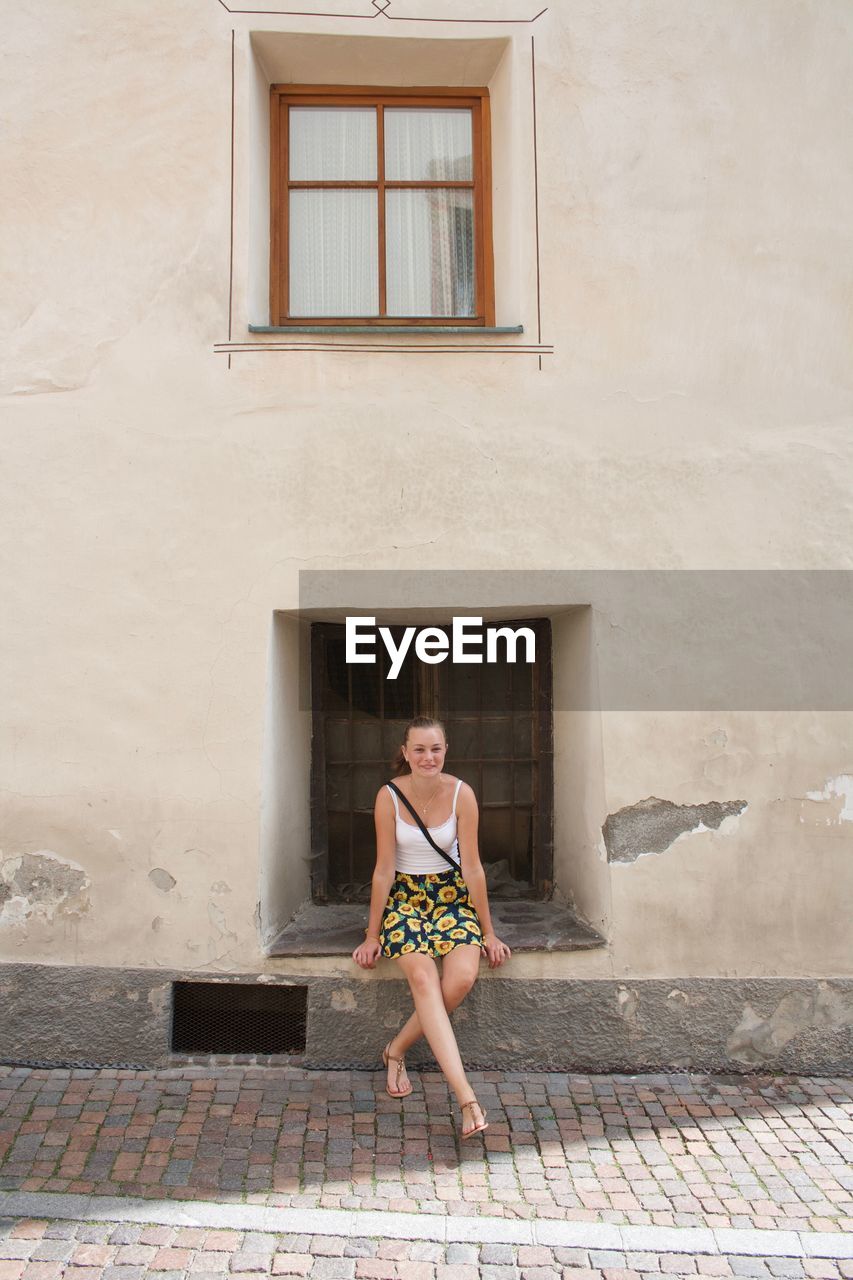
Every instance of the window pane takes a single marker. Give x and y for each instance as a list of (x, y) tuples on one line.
[(497, 685), (435, 145), (464, 739), (330, 143), (337, 787), (497, 738), (430, 253), (393, 738), (367, 740), (497, 783), (366, 781), (334, 253)]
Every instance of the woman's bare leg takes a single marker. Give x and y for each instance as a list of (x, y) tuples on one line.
[(422, 975), (459, 969)]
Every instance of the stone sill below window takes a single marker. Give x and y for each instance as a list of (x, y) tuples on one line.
[(422, 330), (337, 928)]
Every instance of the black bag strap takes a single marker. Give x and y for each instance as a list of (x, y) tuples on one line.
[(417, 819)]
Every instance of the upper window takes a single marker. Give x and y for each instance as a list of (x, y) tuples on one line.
[(381, 206)]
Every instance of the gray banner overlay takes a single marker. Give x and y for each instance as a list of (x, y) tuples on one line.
[(633, 640)]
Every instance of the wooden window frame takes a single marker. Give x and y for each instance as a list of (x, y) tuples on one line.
[(543, 728), (282, 96)]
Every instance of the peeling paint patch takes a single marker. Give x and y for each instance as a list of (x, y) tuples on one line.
[(756, 1040), (841, 786), (628, 1003), (217, 918), (343, 1000), (41, 886), (161, 879), (653, 825)]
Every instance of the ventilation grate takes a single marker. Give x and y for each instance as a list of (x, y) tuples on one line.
[(238, 1018)]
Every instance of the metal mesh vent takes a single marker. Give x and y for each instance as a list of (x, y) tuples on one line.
[(238, 1017)]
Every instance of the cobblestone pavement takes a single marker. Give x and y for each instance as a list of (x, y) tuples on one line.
[(659, 1151), (42, 1250), (673, 1150)]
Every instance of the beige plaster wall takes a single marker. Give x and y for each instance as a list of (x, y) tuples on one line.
[(157, 504)]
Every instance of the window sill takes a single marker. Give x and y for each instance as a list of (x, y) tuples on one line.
[(337, 928), (428, 330)]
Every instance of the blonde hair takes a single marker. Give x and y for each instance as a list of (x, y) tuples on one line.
[(400, 764)]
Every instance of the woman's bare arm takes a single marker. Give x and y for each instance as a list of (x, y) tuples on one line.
[(386, 854), (367, 952)]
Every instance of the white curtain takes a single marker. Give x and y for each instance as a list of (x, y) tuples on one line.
[(429, 237), (334, 253), (333, 234), (329, 143), (424, 144), (429, 233)]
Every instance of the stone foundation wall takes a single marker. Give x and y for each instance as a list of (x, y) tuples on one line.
[(787, 1025)]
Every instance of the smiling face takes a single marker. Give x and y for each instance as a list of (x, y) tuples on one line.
[(425, 749)]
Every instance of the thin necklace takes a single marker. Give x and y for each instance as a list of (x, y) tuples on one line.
[(432, 797)]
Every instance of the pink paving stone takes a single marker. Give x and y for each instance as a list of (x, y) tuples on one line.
[(677, 1263), (457, 1271), (820, 1268), (533, 1255), (294, 1264), (379, 1269), (44, 1271), (620, 1273), (11, 1268), (170, 1260), (157, 1235), (28, 1229), (134, 1255), (711, 1266), (93, 1255)]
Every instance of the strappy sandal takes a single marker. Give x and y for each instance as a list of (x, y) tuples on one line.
[(472, 1102), (401, 1062)]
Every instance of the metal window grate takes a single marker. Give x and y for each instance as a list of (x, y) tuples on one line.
[(498, 718), (238, 1017)]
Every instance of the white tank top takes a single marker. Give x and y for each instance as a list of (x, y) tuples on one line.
[(415, 855)]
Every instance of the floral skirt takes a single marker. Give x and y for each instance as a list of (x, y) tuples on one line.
[(429, 913)]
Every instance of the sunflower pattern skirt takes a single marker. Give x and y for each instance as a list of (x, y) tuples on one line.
[(430, 913)]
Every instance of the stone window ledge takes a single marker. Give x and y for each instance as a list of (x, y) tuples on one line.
[(336, 928), (377, 331)]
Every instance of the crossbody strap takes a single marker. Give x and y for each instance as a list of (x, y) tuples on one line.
[(417, 819)]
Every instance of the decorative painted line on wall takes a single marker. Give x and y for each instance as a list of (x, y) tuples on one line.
[(380, 9)]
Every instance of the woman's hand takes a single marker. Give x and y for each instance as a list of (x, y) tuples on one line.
[(496, 951), (368, 953)]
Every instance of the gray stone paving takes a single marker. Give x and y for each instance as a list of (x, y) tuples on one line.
[(40, 1249)]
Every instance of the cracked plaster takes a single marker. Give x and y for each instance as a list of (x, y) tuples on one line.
[(652, 825), (41, 886)]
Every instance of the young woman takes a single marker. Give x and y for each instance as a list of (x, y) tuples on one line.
[(422, 908)]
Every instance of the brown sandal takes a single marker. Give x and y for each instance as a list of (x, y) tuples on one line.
[(472, 1102), (401, 1062)]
